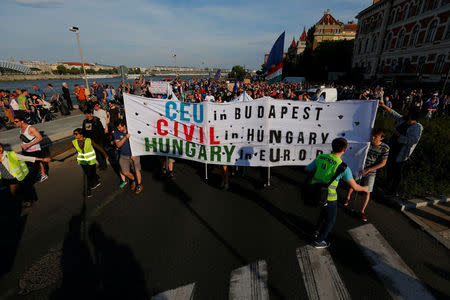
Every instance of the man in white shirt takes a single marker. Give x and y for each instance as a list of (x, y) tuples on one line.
[(102, 115), (209, 97)]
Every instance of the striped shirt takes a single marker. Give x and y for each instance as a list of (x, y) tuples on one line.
[(376, 154)]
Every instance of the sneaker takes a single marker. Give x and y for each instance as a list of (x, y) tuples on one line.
[(316, 233), (89, 194), (139, 189), (123, 184), (363, 217), (133, 185), (43, 178), (346, 202), (96, 185), (321, 245)]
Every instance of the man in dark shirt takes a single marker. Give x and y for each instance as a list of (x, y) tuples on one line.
[(114, 115), (93, 129), (99, 92)]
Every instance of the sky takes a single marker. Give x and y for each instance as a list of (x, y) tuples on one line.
[(146, 33)]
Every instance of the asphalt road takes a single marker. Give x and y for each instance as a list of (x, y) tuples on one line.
[(184, 231)]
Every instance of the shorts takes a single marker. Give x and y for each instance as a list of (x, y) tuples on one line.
[(8, 182), (127, 164), (33, 154), (169, 159), (368, 181)]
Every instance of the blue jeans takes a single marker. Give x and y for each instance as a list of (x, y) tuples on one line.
[(327, 218)]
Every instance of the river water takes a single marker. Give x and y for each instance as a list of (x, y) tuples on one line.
[(57, 84)]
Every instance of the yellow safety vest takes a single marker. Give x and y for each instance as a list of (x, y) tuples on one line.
[(17, 168), (86, 157), (326, 166)]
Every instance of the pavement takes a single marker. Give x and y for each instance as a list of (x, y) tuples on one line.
[(188, 239), (54, 130)]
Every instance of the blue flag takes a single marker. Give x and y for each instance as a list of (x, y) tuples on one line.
[(235, 87), (217, 76), (274, 65)]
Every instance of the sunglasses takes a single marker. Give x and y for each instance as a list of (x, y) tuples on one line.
[(76, 133), (16, 121)]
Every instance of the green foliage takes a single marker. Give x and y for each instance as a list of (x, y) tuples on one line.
[(60, 69), (134, 71), (237, 72), (329, 56), (427, 169)]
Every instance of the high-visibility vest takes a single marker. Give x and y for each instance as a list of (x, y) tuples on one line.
[(17, 168), (326, 166), (86, 156)]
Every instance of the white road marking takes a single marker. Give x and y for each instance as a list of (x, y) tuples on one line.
[(181, 293), (321, 278), (398, 278), (249, 282)]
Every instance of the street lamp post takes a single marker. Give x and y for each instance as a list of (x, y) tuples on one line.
[(76, 29)]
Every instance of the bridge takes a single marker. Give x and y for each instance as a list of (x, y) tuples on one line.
[(12, 67)]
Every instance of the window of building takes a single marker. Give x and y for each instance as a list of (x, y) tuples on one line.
[(394, 16), (406, 65), (406, 12), (425, 4), (431, 31), (399, 15), (401, 37), (436, 4), (374, 43), (420, 64), (388, 41), (447, 32), (414, 35), (439, 64), (394, 65)]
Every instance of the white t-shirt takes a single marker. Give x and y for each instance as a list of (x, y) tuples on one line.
[(209, 98), (14, 104), (101, 114)]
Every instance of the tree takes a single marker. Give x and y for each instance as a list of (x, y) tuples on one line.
[(237, 72), (60, 69)]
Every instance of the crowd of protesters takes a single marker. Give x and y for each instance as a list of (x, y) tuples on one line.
[(103, 135)]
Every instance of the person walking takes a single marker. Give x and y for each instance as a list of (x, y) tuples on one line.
[(66, 95), (326, 167), (403, 141), (86, 157), (93, 129), (128, 163), (376, 159), (13, 171), (31, 139)]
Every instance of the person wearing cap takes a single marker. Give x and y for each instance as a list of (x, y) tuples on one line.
[(432, 105)]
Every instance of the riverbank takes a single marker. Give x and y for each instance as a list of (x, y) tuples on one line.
[(21, 77)]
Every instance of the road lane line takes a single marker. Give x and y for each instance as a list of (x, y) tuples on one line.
[(249, 282), (97, 211), (321, 278), (181, 293), (397, 277)]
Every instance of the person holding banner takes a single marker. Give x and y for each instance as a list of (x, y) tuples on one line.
[(127, 162), (327, 171)]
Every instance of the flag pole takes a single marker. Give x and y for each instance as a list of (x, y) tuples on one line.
[(206, 134)]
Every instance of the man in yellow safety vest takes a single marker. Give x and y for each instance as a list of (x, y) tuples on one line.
[(324, 168), (86, 157), (13, 170)]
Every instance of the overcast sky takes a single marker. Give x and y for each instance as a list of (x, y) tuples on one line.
[(147, 33)]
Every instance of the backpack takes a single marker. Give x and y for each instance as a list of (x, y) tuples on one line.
[(317, 194)]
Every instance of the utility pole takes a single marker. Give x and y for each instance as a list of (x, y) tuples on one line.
[(76, 29)]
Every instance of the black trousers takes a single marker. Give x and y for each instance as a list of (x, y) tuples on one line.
[(395, 175), (91, 174)]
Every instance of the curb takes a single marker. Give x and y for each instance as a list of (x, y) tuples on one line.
[(428, 229), (415, 203)]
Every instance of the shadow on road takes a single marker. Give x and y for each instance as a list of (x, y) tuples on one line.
[(172, 188), (12, 225), (112, 272)]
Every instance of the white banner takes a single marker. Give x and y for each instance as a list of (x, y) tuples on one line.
[(158, 87), (264, 132)]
